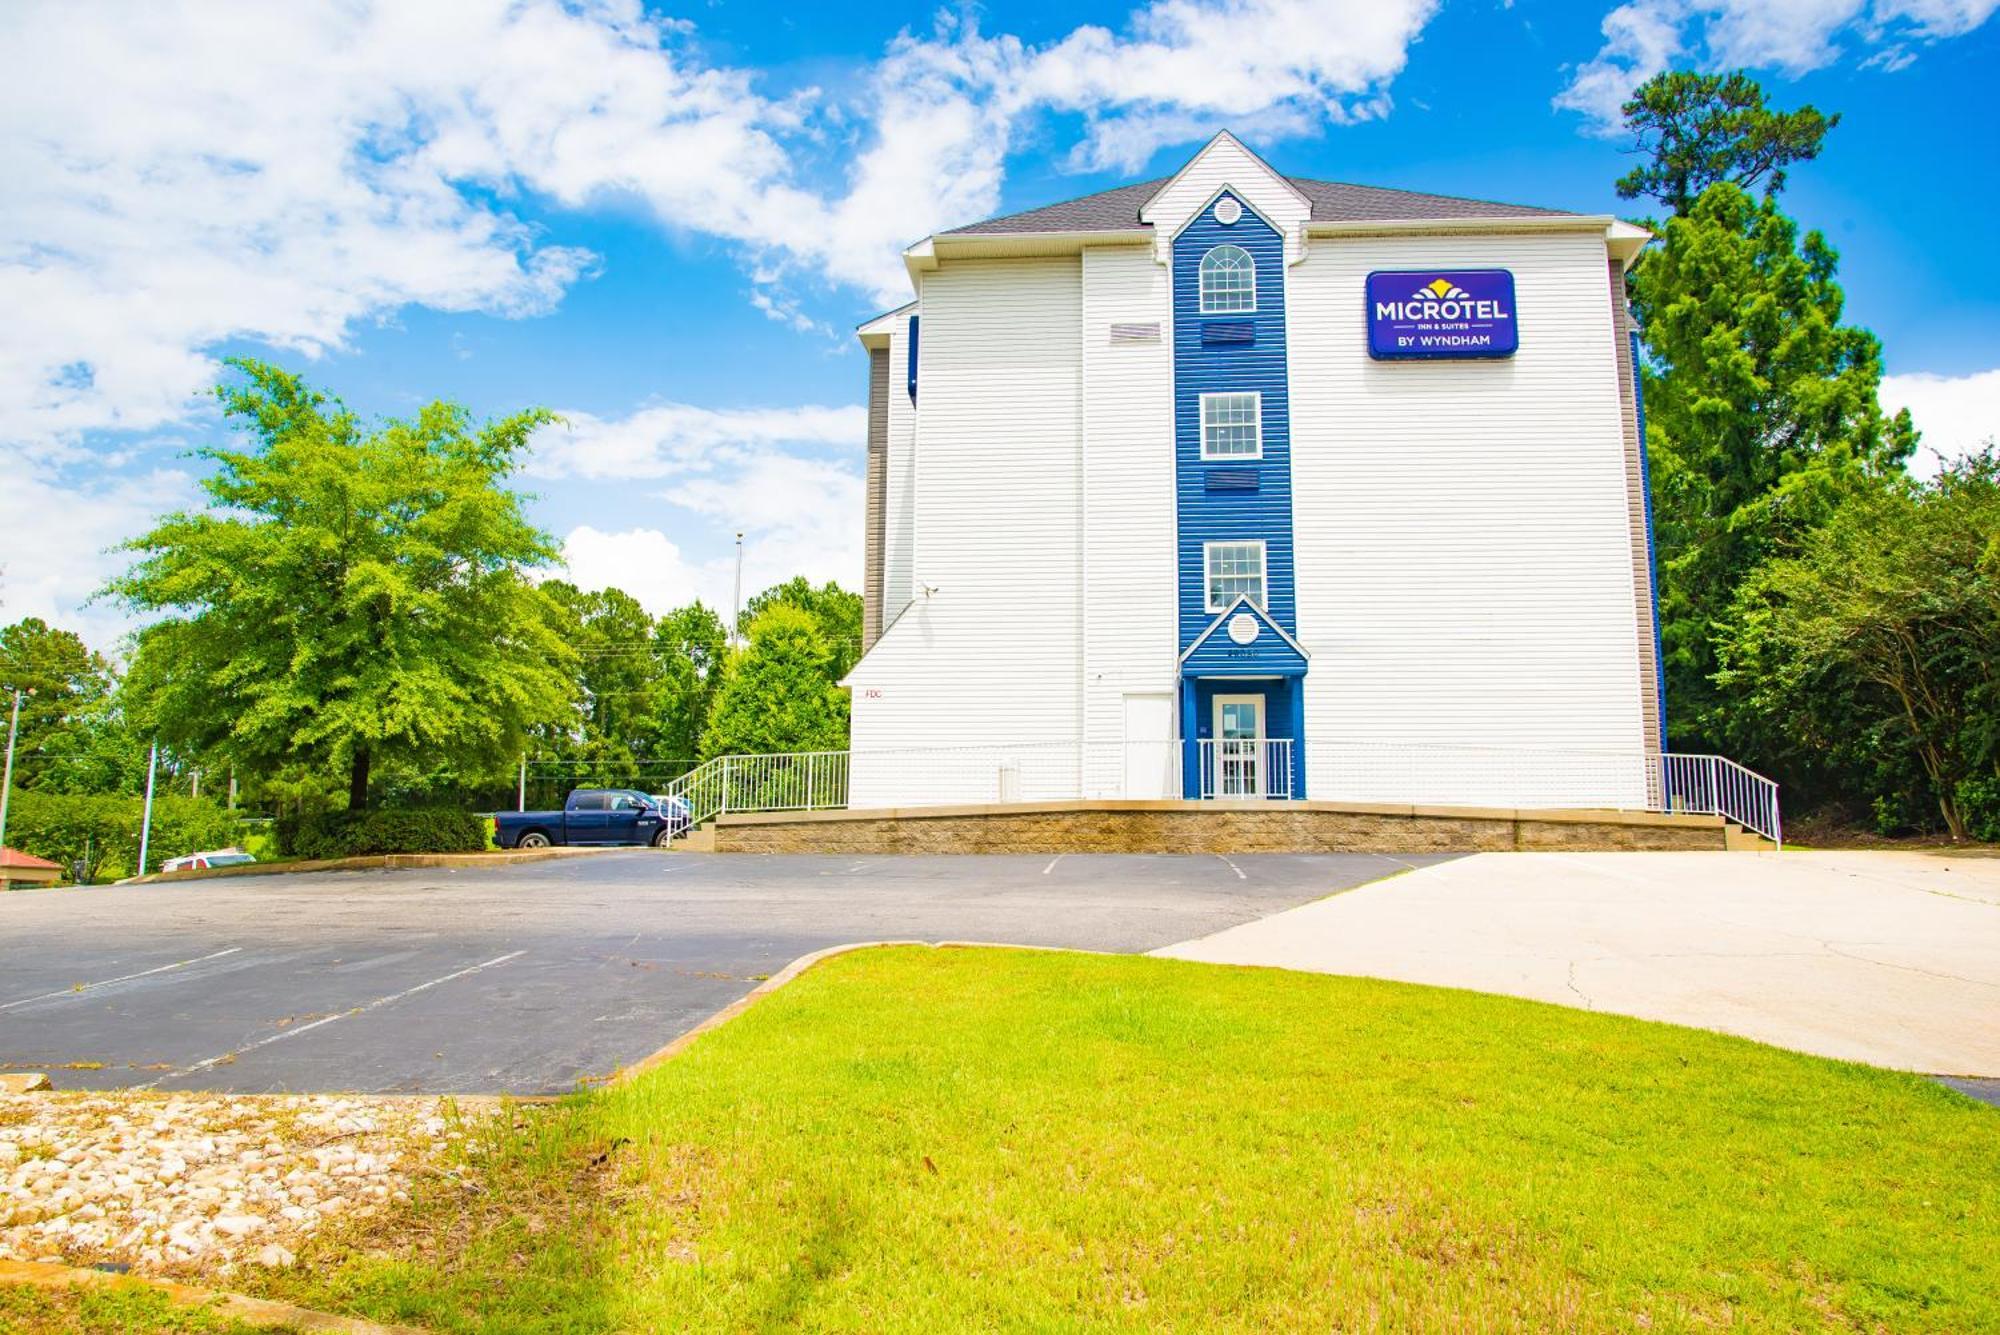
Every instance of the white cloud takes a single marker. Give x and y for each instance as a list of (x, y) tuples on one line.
[(180, 174), (645, 563), (187, 173), (792, 524), (1643, 37), (62, 540), (677, 438), (1956, 414), (788, 479), (948, 108)]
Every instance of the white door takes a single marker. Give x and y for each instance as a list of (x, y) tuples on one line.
[(1149, 746), (1239, 746)]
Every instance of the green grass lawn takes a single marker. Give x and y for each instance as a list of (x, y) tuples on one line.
[(943, 1140), (126, 1310)]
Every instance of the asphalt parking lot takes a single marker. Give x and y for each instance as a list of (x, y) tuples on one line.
[(529, 978)]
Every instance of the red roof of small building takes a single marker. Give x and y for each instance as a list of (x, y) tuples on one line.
[(14, 857)]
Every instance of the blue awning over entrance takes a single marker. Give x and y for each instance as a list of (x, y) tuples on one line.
[(1243, 641)]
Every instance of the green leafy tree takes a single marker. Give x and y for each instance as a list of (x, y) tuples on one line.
[(1762, 417), (837, 612), (352, 596), (1698, 130), (778, 693), (98, 835), (691, 643), (99, 752), (71, 686), (1876, 647), (610, 735)]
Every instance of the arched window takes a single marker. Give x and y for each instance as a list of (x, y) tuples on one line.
[(1228, 281)]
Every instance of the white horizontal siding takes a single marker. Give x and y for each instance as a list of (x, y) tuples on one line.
[(1226, 163), (1128, 480), (1463, 540), (993, 654)]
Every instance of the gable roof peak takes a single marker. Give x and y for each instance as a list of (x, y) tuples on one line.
[(1220, 141)]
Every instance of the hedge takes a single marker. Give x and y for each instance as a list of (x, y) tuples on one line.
[(351, 834), (65, 829)]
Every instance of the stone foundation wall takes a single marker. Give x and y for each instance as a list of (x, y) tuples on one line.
[(1201, 827)]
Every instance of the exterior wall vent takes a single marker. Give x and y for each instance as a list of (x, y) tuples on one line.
[(1230, 479), (1135, 335), (1228, 331)]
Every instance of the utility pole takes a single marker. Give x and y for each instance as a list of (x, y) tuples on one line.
[(232, 787), (194, 789), (736, 621), (146, 821), (7, 778), (521, 793)]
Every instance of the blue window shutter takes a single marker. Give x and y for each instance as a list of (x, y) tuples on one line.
[(913, 359)]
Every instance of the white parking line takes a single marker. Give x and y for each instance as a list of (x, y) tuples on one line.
[(1233, 867), (1052, 864), (81, 988), (217, 1060)]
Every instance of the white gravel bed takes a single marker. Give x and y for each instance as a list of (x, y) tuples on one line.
[(180, 1182)]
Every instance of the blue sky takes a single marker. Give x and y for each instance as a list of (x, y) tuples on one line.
[(665, 223)]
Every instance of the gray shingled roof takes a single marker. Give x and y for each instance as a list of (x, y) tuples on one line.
[(1332, 201)]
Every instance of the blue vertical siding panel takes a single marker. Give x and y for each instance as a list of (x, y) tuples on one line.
[(1202, 367), (1225, 353)]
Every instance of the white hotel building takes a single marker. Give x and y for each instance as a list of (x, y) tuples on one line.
[(1235, 484)]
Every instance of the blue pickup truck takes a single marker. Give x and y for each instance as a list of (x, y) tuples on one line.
[(595, 816)]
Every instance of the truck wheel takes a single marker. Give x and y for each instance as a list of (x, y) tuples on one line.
[(663, 838), (532, 839)]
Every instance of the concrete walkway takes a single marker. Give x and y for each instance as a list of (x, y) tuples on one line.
[(1891, 958)]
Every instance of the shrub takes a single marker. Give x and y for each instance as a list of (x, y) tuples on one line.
[(1979, 799), (352, 834), (103, 832)]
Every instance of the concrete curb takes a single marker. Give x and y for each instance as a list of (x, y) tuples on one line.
[(236, 1307), (625, 1075), (378, 862)]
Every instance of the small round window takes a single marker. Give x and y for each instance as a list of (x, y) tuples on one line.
[(1228, 211)]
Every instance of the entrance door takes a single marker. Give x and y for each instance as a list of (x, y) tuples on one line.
[(1239, 746), (1149, 745)]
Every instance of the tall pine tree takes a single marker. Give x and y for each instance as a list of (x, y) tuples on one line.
[(1761, 404)]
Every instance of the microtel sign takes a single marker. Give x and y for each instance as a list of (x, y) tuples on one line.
[(1453, 313)]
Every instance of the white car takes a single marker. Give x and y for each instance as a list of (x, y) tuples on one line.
[(214, 857)]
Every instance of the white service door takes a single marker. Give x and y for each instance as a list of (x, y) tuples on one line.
[(1239, 746), (1149, 746)]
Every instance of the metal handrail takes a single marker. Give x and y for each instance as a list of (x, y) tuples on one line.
[(1717, 785)]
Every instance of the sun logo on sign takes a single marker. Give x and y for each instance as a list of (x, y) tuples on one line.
[(1442, 291)]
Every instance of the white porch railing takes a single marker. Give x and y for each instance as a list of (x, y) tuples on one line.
[(1717, 785), (1245, 767), (1522, 777), (796, 781)]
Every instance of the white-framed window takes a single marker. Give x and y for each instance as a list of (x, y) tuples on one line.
[(1228, 281), (1232, 426), (1234, 570)]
